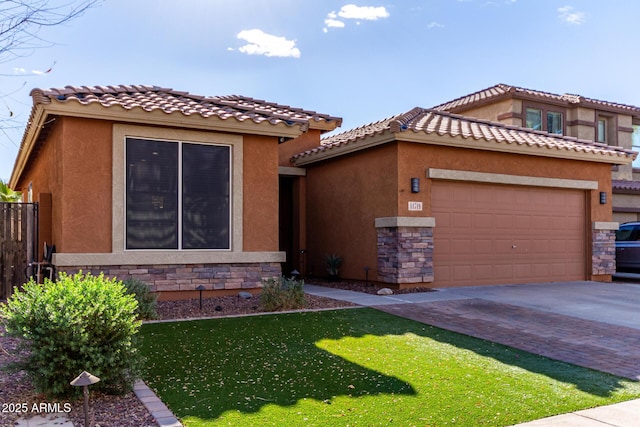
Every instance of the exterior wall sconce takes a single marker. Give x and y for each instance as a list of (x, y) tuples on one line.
[(415, 185), (603, 198)]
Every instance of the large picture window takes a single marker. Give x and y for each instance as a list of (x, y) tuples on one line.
[(177, 195)]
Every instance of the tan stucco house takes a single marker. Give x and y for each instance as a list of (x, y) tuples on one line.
[(178, 190), (506, 185)]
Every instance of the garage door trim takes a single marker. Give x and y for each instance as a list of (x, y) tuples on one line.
[(498, 178)]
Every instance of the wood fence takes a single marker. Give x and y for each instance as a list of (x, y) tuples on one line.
[(18, 241)]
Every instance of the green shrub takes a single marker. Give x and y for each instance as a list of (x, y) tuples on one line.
[(147, 301), (78, 323), (282, 294)]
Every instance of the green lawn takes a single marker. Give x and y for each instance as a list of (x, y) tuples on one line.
[(357, 367)]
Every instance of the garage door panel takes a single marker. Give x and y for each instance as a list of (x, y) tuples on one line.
[(462, 220), (489, 234)]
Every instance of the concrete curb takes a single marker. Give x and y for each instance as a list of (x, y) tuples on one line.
[(158, 410)]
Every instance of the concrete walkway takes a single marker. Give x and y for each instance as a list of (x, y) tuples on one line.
[(595, 325)]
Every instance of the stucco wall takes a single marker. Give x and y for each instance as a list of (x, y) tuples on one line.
[(85, 191), (306, 141), (414, 159), (344, 196), (44, 175), (260, 194)]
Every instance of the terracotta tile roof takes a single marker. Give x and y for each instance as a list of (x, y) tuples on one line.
[(169, 101), (625, 186), (503, 91), (433, 122)]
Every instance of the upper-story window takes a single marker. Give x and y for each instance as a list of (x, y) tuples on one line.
[(602, 130), (606, 129), (544, 120)]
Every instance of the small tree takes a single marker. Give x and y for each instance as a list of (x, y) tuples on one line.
[(21, 20), (78, 323), (7, 194)]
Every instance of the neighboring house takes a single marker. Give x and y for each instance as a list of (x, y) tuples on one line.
[(588, 119), (436, 199), (175, 189)]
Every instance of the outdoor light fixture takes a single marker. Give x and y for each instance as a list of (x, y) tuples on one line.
[(603, 198), (415, 185), (84, 380), (200, 288)]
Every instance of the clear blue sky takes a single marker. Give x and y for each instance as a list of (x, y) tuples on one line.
[(362, 60)]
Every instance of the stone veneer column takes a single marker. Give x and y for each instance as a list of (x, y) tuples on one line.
[(603, 248), (405, 249)]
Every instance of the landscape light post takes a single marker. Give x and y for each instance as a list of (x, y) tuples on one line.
[(84, 380)]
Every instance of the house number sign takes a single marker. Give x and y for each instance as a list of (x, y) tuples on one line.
[(415, 206)]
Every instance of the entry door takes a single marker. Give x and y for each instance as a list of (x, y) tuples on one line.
[(498, 234)]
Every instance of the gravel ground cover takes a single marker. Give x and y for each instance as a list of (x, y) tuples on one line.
[(18, 398)]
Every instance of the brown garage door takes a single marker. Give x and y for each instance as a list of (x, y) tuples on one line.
[(496, 234)]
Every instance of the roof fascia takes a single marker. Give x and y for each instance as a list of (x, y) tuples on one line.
[(459, 142), (514, 148), (340, 150), (324, 125), (177, 119), (584, 103), (35, 125)]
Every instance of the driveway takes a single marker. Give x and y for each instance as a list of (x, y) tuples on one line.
[(591, 324)]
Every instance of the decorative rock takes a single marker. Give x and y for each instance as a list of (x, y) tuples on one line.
[(385, 291), (245, 295)]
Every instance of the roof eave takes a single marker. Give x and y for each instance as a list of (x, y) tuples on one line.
[(331, 151), (175, 119), (34, 126), (461, 142), (138, 115)]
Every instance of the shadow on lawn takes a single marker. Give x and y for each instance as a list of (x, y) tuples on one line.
[(205, 368), (273, 361)]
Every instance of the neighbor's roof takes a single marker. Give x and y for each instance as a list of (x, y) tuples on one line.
[(500, 91), (429, 126), (623, 186), (169, 101)]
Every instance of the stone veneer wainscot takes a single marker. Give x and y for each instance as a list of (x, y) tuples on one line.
[(187, 277), (405, 249)]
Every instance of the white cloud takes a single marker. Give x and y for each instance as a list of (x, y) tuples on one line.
[(351, 11), (434, 24), (570, 16), (333, 23), (261, 43), (368, 13)]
